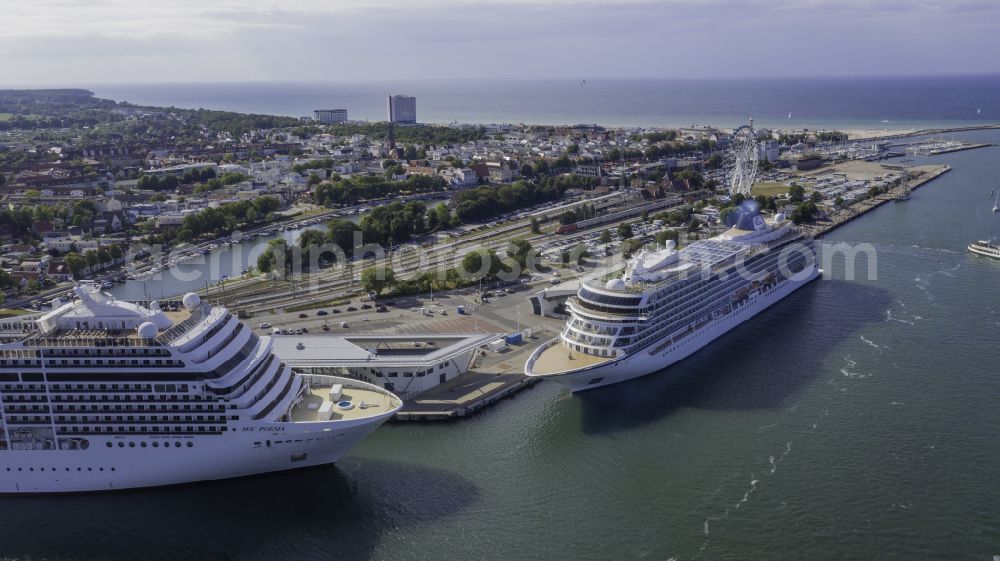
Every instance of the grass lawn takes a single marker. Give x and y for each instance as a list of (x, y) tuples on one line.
[(768, 188), (8, 313), (6, 116)]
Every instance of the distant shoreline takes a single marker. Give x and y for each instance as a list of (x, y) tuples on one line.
[(884, 106)]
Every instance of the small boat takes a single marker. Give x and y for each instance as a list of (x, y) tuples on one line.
[(985, 248), (903, 196), (996, 203)]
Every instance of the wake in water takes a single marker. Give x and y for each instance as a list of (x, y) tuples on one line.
[(873, 344), (773, 462), (909, 250), (847, 372), (890, 317)]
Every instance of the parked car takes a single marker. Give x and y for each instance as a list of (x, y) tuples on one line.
[(325, 327), (322, 313), (303, 316), (381, 309), (366, 306), (351, 309), (264, 325), (343, 324), (335, 310)]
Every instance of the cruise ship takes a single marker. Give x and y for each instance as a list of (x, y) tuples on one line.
[(985, 249), (100, 394), (664, 305)]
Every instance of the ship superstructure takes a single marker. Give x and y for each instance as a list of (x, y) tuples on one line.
[(101, 394), (666, 304), (985, 248)]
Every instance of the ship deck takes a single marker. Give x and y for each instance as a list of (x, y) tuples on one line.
[(365, 403), (557, 359)]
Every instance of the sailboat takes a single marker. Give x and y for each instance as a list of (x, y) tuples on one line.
[(996, 203)]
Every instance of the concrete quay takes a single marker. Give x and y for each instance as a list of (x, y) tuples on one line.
[(839, 218)]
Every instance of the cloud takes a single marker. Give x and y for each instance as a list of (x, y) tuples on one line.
[(61, 41)]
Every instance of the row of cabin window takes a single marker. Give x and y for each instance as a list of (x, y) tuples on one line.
[(154, 444), (64, 419), (107, 351), (54, 469), (70, 419), (156, 429), (119, 407)]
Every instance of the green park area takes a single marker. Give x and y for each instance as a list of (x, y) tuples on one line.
[(768, 188)]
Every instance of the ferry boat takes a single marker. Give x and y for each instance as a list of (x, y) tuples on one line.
[(100, 394), (985, 248), (665, 305)]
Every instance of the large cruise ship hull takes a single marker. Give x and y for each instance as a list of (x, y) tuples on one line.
[(655, 357), (249, 449)]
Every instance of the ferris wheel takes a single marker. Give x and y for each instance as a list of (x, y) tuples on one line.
[(742, 160)]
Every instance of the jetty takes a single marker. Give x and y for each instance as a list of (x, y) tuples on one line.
[(839, 218)]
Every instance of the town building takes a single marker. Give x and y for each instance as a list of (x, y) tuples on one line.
[(768, 150), (402, 109), (331, 115)]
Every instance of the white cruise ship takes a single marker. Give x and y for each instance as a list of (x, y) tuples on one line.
[(985, 249), (100, 394), (664, 305)]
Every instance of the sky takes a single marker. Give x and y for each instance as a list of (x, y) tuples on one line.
[(65, 42)]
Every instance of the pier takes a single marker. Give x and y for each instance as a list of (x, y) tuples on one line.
[(463, 396), (960, 148), (841, 217)]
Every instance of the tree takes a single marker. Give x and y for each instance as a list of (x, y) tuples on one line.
[(410, 153), (629, 247), (804, 213), (625, 231), (376, 279), (519, 250), (664, 236), (265, 262), (91, 257), (839, 201), (816, 197), (76, 264), (563, 163), (577, 254), (606, 236), (796, 193), (472, 265), (443, 216), (714, 161), (341, 233), (535, 226)]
